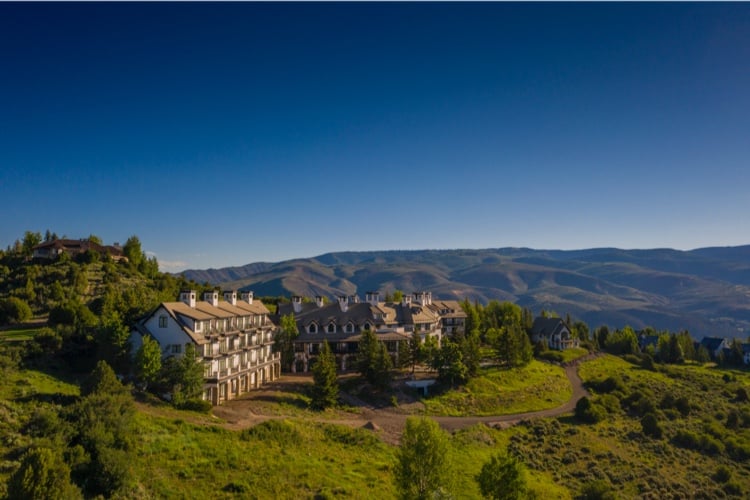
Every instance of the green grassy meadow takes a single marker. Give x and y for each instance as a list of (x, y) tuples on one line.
[(501, 391), (182, 454)]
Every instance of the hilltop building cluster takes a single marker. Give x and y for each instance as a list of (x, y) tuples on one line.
[(342, 323), (233, 334)]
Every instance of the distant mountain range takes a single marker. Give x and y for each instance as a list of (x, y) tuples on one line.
[(706, 291)]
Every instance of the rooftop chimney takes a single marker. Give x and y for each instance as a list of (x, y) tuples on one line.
[(354, 299), (406, 300), (231, 297), (343, 304), (372, 297), (319, 300), (297, 303), (212, 298), (247, 296), (188, 297)]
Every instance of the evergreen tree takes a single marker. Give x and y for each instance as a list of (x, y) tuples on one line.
[(183, 376), (471, 353), (381, 373), (404, 354), (415, 350), (367, 354), (450, 364), (43, 475), (325, 390)]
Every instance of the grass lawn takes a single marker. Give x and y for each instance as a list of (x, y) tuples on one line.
[(538, 386), (18, 334), (25, 383)]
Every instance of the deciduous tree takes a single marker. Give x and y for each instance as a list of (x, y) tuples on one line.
[(422, 469), (503, 478), (284, 340), (148, 361)]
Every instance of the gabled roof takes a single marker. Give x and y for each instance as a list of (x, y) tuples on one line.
[(547, 326), (257, 307), (217, 312), (712, 343), (187, 311), (172, 311)]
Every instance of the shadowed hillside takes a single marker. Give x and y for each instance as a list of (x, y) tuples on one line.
[(706, 291)]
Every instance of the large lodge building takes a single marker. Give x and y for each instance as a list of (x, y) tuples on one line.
[(233, 340), (342, 323), (234, 337)]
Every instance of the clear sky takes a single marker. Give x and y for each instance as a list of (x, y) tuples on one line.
[(227, 134)]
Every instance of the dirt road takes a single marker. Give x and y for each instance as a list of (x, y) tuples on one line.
[(389, 422)]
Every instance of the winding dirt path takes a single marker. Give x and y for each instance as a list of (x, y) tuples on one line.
[(239, 414)]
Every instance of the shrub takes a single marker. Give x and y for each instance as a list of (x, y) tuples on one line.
[(597, 490), (683, 406), (722, 474), (737, 449), (14, 310), (198, 405), (610, 384), (280, 431), (741, 395), (650, 426), (589, 412), (553, 356), (698, 442)]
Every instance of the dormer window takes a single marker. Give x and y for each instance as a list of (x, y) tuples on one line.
[(349, 327), (367, 326), (313, 328), (331, 328)]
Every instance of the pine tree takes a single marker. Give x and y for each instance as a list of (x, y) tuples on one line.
[(325, 390)]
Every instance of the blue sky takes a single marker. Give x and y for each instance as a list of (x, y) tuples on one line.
[(234, 133)]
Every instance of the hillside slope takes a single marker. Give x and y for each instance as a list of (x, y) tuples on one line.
[(706, 291)]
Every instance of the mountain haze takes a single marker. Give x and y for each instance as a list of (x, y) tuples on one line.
[(706, 291)]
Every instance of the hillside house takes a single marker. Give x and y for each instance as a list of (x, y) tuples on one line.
[(233, 339), (715, 345), (342, 323), (555, 332), (51, 250)]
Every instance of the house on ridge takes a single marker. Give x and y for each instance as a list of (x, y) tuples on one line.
[(52, 249), (715, 345), (555, 332)]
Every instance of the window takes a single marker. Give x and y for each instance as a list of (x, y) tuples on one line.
[(331, 328), (350, 328), (176, 349), (313, 328), (162, 321), (367, 326)]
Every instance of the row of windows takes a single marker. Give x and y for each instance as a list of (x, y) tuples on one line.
[(332, 328)]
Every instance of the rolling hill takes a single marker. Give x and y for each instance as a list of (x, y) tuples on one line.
[(706, 291)]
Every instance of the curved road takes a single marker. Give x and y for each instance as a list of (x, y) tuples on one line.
[(391, 423)]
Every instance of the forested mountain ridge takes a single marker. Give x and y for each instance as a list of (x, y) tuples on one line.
[(706, 291)]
